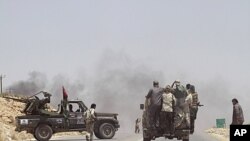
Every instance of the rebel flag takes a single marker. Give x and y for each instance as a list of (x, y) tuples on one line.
[(65, 95)]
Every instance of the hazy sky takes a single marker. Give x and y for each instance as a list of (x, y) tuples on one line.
[(202, 42)]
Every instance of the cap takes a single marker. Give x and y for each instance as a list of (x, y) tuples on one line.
[(155, 82)]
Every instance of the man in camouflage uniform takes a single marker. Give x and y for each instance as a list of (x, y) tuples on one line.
[(90, 119), (194, 107), (238, 117), (155, 98), (187, 107), (183, 100)]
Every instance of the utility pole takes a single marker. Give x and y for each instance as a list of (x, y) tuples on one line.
[(1, 80)]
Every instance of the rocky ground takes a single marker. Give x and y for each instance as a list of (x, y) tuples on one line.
[(221, 134), (9, 109)]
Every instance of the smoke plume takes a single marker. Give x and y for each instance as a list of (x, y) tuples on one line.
[(119, 85), (33, 84)]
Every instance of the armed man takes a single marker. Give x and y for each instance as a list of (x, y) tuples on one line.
[(155, 97), (183, 99), (188, 103), (194, 107), (90, 119)]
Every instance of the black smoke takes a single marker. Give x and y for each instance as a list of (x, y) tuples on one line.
[(36, 81)]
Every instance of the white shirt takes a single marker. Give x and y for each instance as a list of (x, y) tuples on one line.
[(90, 113), (167, 102)]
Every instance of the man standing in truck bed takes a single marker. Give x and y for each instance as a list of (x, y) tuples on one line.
[(167, 111), (155, 97)]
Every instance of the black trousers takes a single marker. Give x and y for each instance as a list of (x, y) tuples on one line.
[(154, 114), (167, 122)]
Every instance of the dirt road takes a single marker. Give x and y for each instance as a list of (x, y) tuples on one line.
[(133, 137)]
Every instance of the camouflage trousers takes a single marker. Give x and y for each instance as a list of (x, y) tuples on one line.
[(187, 117), (90, 130), (193, 114)]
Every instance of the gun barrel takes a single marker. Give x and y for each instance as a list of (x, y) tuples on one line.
[(17, 99)]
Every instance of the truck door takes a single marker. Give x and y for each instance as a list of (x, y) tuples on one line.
[(76, 119)]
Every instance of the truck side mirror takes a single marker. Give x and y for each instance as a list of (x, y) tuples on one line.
[(141, 106)]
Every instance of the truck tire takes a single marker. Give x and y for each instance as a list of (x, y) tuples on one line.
[(43, 132), (185, 140), (97, 134), (106, 131)]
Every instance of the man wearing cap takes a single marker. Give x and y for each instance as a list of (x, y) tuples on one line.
[(155, 97)]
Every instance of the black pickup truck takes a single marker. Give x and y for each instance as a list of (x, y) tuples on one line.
[(43, 123)]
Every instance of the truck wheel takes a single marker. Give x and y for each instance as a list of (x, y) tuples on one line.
[(185, 140), (43, 132), (106, 131), (97, 134)]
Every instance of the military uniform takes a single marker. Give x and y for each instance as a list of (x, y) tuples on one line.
[(193, 107), (90, 121), (188, 103), (193, 110)]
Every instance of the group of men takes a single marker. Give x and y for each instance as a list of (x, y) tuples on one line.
[(162, 102)]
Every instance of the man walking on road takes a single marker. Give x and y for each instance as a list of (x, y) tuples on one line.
[(90, 119), (137, 125), (238, 117)]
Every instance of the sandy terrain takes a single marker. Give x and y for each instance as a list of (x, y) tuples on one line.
[(221, 134)]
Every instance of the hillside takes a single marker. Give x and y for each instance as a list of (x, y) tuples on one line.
[(9, 109)]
